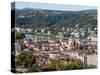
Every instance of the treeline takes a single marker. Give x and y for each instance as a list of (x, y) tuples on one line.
[(28, 60), (37, 18)]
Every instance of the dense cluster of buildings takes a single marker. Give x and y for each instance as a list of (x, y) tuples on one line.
[(51, 49), (63, 49)]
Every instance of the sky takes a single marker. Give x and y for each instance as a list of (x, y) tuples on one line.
[(22, 5)]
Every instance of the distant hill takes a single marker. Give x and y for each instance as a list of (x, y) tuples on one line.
[(40, 18)]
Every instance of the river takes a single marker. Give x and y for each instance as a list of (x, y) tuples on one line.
[(42, 37)]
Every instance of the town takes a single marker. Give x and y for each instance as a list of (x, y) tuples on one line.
[(53, 40), (47, 47)]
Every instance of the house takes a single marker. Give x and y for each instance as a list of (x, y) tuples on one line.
[(49, 32), (75, 33), (93, 39), (45, 47), (73, 44), (17, 47), (40, 30), (17, 29), (53, 55), (29, 30)]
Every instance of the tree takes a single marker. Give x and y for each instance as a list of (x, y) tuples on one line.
[(35, 68), (25, 59), (64, 65), (19, 35)]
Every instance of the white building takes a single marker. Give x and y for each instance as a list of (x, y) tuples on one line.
[(29, 30), (93, 40), (17, 29), (17, 47)]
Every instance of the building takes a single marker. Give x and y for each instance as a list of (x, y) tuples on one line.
[(73, 44), (17, 47), (17, 29)]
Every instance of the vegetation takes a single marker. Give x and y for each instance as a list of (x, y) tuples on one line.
[(35, 68), (19, 35), (25, 59), (63, 65), (35, 18), (92, 66)]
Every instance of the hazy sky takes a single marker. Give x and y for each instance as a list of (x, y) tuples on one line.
[(21, 5)]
